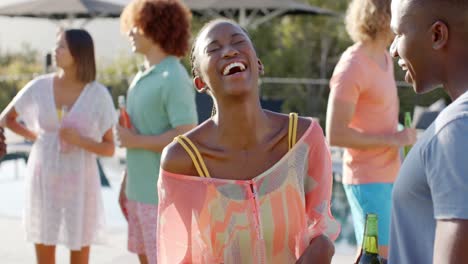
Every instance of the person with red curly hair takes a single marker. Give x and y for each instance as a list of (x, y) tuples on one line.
[(161, 105)]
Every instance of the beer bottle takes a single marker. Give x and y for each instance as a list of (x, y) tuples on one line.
[(408, 121), (124, 118), (370, 245)]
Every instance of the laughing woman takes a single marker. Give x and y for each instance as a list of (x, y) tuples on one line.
[(248, 185)]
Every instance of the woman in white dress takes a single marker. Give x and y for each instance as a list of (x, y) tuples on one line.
[(63, 197)]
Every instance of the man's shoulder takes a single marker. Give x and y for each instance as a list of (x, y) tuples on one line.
[(456, 114), (448, 131)]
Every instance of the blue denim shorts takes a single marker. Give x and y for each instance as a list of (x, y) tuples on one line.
[(370, 198)]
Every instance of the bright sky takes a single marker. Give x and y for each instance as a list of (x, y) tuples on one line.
[(40, 34)]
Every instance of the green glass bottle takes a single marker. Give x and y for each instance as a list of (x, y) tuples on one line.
[(370, 245), (408, 122)]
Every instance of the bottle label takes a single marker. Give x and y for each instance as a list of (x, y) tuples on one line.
[(370, 241), (371, 244)]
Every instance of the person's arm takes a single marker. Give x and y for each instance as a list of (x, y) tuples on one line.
[(179, 104), (347, 85), (104, 148), (175, 160), (446, 168), (123, 196), (104, 121), (320, 248), (156, 143), (24, 105), (318, 180), (339, 115), (451, 241), (9, 117)]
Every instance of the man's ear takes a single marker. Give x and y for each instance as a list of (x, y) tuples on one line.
[(200, 85), (440, 35), (261, 68)]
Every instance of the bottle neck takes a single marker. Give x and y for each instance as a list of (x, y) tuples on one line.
[(407, 119), (121, 101), (370, 242)]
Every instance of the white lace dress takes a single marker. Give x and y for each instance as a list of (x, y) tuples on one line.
[(63, 196)]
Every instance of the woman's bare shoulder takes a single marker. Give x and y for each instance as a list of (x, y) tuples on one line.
[(175, 158), (303, 123)]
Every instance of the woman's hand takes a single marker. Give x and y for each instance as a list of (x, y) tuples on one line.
[(319, 251), (70, 135)]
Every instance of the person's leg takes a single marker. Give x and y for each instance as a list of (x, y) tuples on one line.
[(80, 256), (142, 258), (135, 233), (148, 215), (353, 195), (45, 254)]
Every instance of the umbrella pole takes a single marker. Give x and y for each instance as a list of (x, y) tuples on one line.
[(243, 17)]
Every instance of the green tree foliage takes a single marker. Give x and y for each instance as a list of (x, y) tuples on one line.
[(290, 46), (309, 47), (16, 69), (118, 74)]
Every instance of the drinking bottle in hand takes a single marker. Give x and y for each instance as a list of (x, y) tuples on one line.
[(124, 118)]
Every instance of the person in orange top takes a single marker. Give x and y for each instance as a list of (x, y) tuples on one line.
[(247, 185), (362, 116)]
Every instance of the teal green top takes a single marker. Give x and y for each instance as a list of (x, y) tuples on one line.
[(159, 99)]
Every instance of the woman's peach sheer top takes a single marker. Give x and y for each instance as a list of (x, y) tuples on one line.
[(269, 219)]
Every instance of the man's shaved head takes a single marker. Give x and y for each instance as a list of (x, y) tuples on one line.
[(449, 11), (457, 4), (431, 40)]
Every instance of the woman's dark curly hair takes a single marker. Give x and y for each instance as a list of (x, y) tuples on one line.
[(166, 22)]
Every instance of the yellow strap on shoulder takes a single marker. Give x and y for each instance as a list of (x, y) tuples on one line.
[(292, 134), (194, 155)]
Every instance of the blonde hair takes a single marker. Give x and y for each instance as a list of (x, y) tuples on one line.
[(367, 20)]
